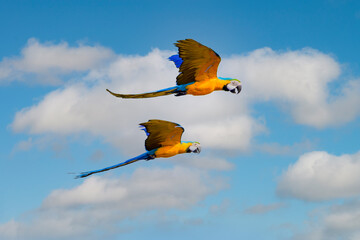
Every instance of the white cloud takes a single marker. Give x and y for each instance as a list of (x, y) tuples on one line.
[(203, 161), (48, 60), (231, 133), (337, 222), (299, 81), (24, 145), (102, 204), (223, 122), (296, 79), (278, 149), (319, 176), (145, 189)]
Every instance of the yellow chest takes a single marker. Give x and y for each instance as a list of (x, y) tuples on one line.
[(169, 151), (206, 87)]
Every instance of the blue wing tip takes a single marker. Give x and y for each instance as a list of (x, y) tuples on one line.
[(176, 59), (144, 129)]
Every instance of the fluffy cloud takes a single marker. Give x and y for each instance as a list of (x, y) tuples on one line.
[(48, 60), (337, 222), (100, 204), (299, 81), (203, 162), (219, 121), (318, 176), (295, 149), (298, 78)]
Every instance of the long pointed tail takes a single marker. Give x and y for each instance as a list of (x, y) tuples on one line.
[(144, 156), (162, 92)]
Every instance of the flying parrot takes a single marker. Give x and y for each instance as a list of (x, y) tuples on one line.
[(198, 66), (163, 141)]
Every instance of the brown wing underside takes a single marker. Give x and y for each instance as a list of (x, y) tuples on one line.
[(199, 62), (162, 133)]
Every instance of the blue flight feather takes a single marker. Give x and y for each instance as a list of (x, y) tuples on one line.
[(144, 156), (144, 128), (177, 60)]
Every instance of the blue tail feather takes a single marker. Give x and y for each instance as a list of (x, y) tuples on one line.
[(167, 89), (144, 156), (177, 60)]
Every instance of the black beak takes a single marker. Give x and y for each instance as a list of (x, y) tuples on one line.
[(236, 90), (198, 150)]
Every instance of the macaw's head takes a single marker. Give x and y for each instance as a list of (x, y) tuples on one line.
[(194, 148), (234, 86)]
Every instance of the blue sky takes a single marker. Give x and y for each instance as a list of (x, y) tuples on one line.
[(278, 161)]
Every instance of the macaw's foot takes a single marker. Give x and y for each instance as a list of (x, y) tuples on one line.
[(181, 93), (150, 157)]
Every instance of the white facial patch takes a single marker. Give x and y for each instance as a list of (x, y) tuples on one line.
[(195, 147), (233, 84)]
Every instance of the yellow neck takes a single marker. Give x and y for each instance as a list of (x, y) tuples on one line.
[(169, 151), (221, 83), (184, 146)]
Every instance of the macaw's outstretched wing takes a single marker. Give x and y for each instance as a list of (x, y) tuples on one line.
[(161, 133), (199, 63)]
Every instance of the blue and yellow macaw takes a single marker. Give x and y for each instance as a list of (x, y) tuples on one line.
[(163, 141), (198, 66)]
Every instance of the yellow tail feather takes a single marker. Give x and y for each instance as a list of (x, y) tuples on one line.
[(143, 95)]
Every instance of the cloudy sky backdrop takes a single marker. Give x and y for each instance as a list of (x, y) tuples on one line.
[(281, 160)]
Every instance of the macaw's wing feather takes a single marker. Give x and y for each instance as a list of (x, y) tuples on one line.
[(162, 92), (199, 62), (161, 133), (176, 59), (144, 156)]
